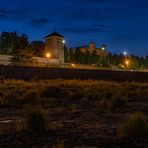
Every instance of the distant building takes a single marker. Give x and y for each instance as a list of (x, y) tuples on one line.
[(91, 48), (54, 45)]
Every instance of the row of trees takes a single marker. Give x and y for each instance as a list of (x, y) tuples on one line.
[(86, 58), (76, 56), (23, 50), (11, 43), (134, 61)]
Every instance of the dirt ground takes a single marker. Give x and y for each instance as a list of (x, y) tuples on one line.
[(73, 126)]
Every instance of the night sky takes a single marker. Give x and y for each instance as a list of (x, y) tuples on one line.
[(121, 24)]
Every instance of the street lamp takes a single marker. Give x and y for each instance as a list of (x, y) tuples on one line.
[(67, 48), (125, 53), (63, 41), (103, 48), (48, 55), (127, 63)]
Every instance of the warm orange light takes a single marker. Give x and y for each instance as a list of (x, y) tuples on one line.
[(48, 55), (73, 65), (127, 62)]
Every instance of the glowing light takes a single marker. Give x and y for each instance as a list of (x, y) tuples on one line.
[(125, 53), (103, 48), (48, 55), (73, 65), (127, 62), (63, 41)]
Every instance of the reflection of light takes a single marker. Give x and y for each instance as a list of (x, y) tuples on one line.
[(73, 65), (48, 55)]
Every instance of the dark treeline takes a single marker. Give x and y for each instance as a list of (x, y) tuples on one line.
[(86, 58), (12, 43), (78, 57)]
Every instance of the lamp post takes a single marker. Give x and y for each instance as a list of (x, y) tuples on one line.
[(125, 59), (67, 48), (48, 55), (127, 63), (125, 53)]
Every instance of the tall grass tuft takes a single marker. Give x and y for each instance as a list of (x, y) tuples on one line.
[(36, 119), (134, 127), (117, 102)]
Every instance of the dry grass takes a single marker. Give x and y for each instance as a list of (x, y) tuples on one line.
[(134, 127)]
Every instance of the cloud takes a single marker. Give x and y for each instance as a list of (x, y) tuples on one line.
[(42, 21), (99, 25), (89, 1), (85, 30), (4, 14)]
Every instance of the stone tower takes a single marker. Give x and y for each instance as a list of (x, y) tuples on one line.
[(54, 44), (92, 46)]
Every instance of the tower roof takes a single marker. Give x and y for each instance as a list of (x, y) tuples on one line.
[(54, 34)]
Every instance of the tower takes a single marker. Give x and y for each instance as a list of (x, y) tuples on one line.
[(92, 46), (55, 46)]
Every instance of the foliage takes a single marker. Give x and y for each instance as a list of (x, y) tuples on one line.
[(24, 57), (37, 47), (11, 42), (134, 127), (59, 144), (117, 102), (35, 119)]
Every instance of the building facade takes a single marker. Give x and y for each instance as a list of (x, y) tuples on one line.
[(91, 48), (54, 45)]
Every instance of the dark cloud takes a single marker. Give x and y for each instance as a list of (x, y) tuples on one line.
[(3, 16), (3, 13), (42, 21), (99, 25), (85, 30), (89, 1)]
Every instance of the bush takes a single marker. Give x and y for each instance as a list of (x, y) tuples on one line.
[(35, 119), (30, 98), (59, 144), (51, 92), (134, 127), (117, 102)]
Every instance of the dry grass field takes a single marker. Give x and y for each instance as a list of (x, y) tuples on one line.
[(73, 113)]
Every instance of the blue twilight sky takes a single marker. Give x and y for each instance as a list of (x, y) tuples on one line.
[(121, 24)]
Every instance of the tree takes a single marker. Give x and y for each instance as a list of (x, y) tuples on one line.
[(37, 47), (21, 42), (10, 42), (78, 55), (24, 57), (146, 61)]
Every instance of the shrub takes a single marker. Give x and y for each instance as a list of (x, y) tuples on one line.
[(11, 99), (134, 127), (35, 119), (59, 144), (2, 102), (76, 94), (51, 92), (117, 102), (30, 98)]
